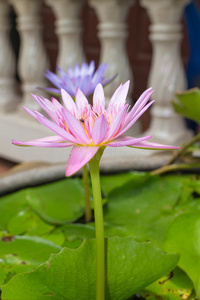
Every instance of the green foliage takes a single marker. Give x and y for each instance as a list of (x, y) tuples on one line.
[(184, 237), (36, 222), (23, 253), (189, 104), (71, 273), (144, 208), (175, 285), (59, 202)]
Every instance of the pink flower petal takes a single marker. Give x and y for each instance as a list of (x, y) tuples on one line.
[(143, 98), (116, 123), (113, 98), (57, 129), (127, 141), (79, 156), (142, 101), (122, 94), (43, 144), (99, 130), (75, 127), (81, 100), (48, 107), (99, 99), (68, 101), (119, 98), (49, 141), (125, 128), (30, 112), (153, 146)]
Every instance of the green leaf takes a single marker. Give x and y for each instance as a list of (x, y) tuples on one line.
[(11, 205), (130, 266), (58, 202), (144, 207), (184, 237), (176, 285), (24, 253), (55, 236), (76, 233), (111, 182), (27, 222), (189, 104)]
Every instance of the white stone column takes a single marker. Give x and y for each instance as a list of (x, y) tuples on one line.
[(33, 61), (113, 34), (167, 73), (8, 97), (69, 29)]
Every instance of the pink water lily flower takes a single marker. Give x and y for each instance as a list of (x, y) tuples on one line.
[(87, 128)]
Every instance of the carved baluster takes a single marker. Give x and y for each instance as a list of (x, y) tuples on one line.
[(33, 61), (68, 28), (167, 74), (113, 33), (8, 98)]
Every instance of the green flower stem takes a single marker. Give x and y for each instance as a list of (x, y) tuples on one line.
[(88, 211), (174, 167), (99, 226), (183, 149)]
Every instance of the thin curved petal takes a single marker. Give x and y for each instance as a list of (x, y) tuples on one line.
[(53, 91), (127, 141), (91, 67), (49, 141), (125, 128), (99, 130), (55, 79), (79, 156), (30, 112), (113, 98), (122, 94), (105, 82), (116, 123), (81, 100), (142, 101), (97, 77), (57, 129), (99, 99), (153, 146), (43, 144), (75, 127), (47, 106), (68, 101)]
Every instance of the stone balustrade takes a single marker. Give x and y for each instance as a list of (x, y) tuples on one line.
[(166, 74)]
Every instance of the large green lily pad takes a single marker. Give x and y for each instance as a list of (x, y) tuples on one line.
[(58, 202), (184, 237), (130, 266), (145, 207), (23, 253)]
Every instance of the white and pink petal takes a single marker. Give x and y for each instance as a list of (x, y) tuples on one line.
[(99, 130), (79, 156)]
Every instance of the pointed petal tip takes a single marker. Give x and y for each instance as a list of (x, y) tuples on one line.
[(63, 92), (79, 157), (127, 82), (69, 173), (99, 85)]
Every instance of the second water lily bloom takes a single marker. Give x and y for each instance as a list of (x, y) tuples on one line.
[(87, 128), (84, 77)]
